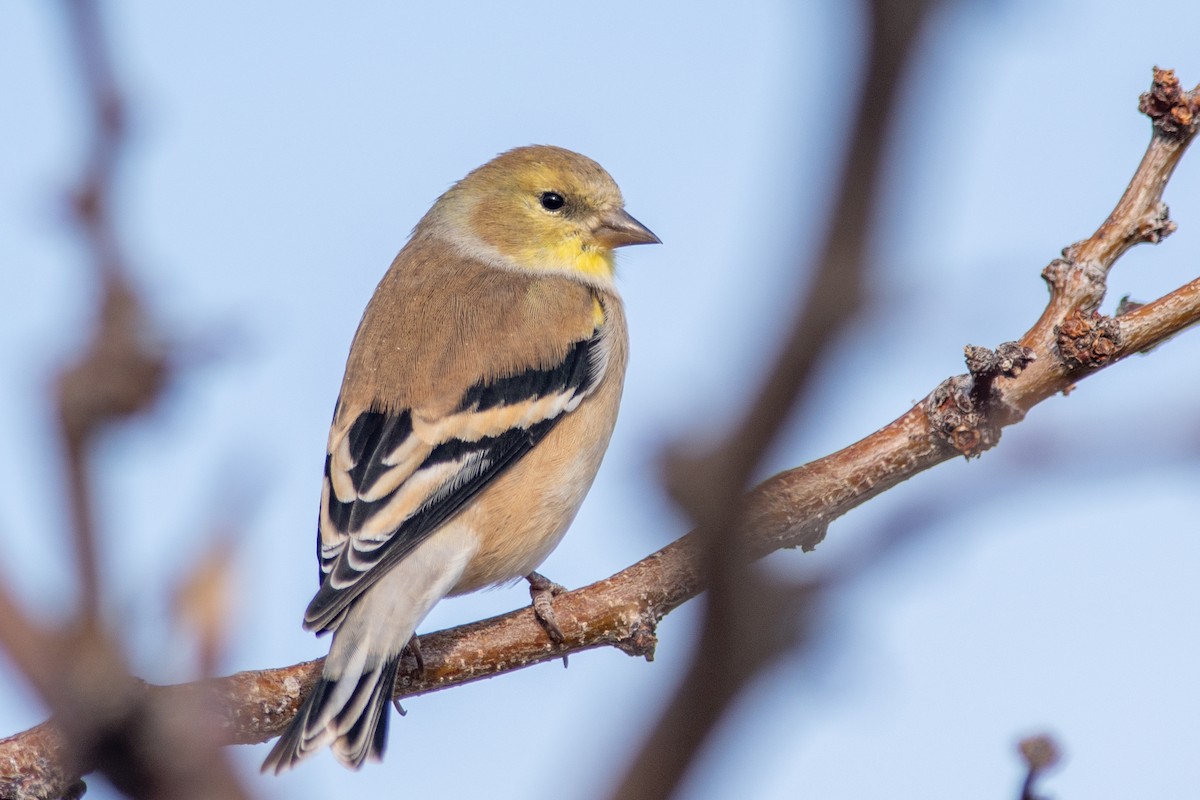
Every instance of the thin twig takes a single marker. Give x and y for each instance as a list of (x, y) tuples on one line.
[(1040, 754), (80, 418)]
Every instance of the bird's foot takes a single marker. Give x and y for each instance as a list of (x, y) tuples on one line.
[(410, 653), (542, 592), (413, 650)]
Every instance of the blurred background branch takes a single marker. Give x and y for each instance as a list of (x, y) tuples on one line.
[(1040, 754), (750, 618), (103, 720)]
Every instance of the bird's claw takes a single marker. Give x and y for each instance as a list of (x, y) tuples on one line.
[(413, 650), (542, 591)]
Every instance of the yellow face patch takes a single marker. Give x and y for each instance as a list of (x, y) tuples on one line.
[(571, 255), (597, 313), (589, 261)]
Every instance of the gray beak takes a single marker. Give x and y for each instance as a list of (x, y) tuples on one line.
[(618, 229)]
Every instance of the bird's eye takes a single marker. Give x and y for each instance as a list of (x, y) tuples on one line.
[(552, 201)]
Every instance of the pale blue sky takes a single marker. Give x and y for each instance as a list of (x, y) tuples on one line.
[(281, 153)]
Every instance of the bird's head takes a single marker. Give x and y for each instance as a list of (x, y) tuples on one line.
[(540, 208)]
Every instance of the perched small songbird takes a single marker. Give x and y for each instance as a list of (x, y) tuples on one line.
[(479, 397)]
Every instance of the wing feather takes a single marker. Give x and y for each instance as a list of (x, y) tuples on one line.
[(392, 479)]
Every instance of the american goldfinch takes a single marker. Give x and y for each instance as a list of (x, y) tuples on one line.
[(480, 393)]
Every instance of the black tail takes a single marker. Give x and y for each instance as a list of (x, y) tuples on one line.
[(357, 729)]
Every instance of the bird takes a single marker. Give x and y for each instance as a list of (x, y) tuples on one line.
[(480, 394)]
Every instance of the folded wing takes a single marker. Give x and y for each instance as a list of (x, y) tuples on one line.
[(392, 478)]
